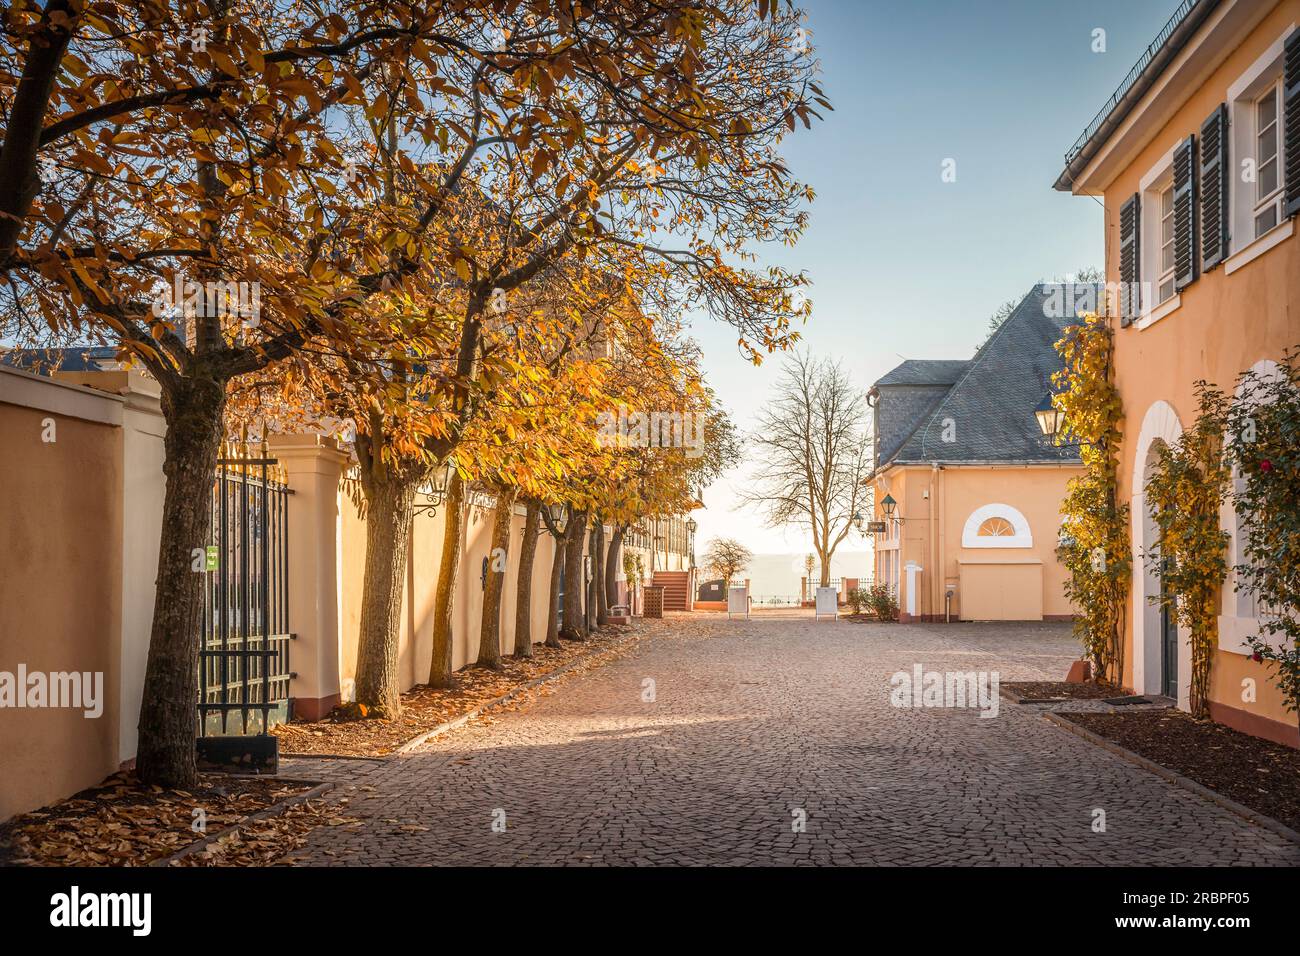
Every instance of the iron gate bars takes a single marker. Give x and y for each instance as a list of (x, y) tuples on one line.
[(244, 657)]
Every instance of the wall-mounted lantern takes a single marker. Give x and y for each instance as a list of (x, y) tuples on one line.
[(431, 495), (1050, 418)]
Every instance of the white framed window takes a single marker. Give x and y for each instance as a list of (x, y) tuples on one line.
[(1257, 151), (1165, 254), (1267, 209), (996, 526), (1157, 240)]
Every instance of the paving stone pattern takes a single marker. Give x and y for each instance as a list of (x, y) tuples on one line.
[(757, 724)]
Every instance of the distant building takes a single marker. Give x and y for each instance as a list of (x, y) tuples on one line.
[(82, 358), (967, 489)]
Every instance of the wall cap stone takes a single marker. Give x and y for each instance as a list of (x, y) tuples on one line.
[(42, 393)]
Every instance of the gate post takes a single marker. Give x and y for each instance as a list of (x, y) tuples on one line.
[(314, 466)]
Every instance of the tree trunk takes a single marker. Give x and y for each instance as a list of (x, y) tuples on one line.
[(489, 641), (598, 573), (390, 494), (553, 615), (193, 411), (589, 585), (524, 590), (440, 672), (613, 556), (574, 583)]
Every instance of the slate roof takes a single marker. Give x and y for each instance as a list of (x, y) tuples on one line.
[(926, 372), (987, 413)]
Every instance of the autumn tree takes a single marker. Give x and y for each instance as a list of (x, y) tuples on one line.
[(169, 183), (620, 169), (591, 146), (727, 557), (608, 476), (532, 426), (204, 149), (662, 468)]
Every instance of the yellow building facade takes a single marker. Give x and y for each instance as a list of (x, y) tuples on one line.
[(1197, 159)]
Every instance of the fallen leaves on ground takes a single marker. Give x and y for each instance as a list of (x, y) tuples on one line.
[(269, 841), (123, 822), (1052, 690), (425, 708)]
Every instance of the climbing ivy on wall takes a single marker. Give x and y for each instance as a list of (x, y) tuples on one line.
[(1094, 543), (1184, 493)]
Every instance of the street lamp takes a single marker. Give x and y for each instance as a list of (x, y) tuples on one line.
[(890, 506), (691, 527), (434, 491), (858, 520), (1050, 418), (559, 516)]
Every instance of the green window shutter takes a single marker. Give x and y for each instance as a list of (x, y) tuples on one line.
[(1130, 259), (1185, 214), (1291, 123), (1214, 189)]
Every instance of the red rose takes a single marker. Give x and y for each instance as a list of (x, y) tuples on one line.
[(1265, 465), (1257, 657)]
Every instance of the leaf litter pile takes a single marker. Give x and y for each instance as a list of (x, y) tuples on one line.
[(1031, 690), (269, 841), (349, 732), (122, 822), (1263, 775)]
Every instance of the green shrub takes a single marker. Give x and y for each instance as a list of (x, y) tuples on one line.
[(882, 602)]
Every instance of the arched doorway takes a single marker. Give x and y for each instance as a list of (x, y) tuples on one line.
[(1161, 655)]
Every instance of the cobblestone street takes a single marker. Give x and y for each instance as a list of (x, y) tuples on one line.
[(754, 725)]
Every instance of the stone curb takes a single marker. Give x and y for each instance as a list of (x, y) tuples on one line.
[(1186, 783), (274, 810), (1017, 698), (465, 718), (311, 756), (455, 722)]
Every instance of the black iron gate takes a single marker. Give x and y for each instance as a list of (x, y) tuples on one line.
[(244, 658)]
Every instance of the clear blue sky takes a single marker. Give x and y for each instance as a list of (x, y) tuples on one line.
[(904, 265)]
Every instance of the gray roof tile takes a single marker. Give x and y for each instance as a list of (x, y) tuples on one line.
[(987, 413), (926, 372)]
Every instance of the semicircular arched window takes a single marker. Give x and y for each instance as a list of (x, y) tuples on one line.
[(996, 526)]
